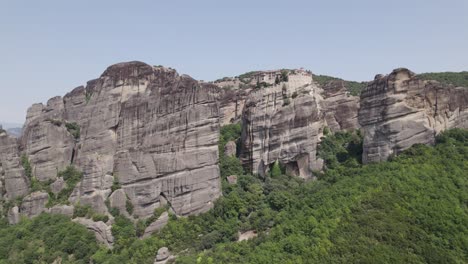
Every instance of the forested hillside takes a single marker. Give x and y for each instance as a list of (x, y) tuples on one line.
[(453, 78), (411, 209)]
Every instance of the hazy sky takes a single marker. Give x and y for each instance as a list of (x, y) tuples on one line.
[(49, 47)]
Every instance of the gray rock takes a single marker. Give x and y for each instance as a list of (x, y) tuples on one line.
[(156, 225), (163, 254), (14, 216), (1, 184), (46, 141), (118, 200), (230, 149), (100, 229), (155, 129), (399, 110), (34, 204), (66, 210), (232, 179), (340, 108), (279, 126), (16, 183), (58, 185)]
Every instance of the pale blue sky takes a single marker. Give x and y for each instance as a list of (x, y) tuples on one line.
[(49, 47)]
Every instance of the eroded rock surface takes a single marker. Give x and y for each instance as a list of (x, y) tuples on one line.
[(14, 181), (399, 110), (66, 210), (283, 122), (100, 229), (340, 107), (148, 128), (34, 204), (157, 225), (230, 149)]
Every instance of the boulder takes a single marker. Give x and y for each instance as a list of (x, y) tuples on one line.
[(34, 204), (163, 254), (14, 216), (232, 179), (230, 149), (156, 225), (57, 186), (66, 210), (100, 229)]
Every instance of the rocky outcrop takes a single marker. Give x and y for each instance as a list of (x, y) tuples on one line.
[(230, 149), (58, 185), (100, 229), (14, 181), (14, 216), (34, 204), (163, 256), (147, 128), (118, 199), (46, 141), (283, 123), (66, 210), (399, 110), (339, 106), (157, 225), (231, 102)]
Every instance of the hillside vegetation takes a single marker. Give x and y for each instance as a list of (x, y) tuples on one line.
[(453, 78), (411, 209), (353, 87)]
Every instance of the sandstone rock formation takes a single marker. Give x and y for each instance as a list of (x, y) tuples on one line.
[(399, 110), (157, 225), (100, 229), (230, 149), (163, 256), (147, 128), (339, 106), (231, 103), (14, 216), (14, 181), (66, 210), (283, 123), (34, 204)]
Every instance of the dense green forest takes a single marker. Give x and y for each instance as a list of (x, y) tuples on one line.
[(453, 78), (411, 209)]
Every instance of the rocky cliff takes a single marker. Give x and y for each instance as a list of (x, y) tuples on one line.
[(144, 129), (282, 123), (399, 110), (146, 137), (285, 122), (13, 180)]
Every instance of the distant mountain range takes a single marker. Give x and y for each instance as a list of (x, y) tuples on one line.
[(14, 129)]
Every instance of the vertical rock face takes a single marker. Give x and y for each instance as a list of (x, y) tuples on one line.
[(399, 110), (232, 101), (283, 123), (340, 108), (14, 182), (148, 128)]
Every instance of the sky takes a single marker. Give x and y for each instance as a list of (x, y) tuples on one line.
[(47, 48)]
